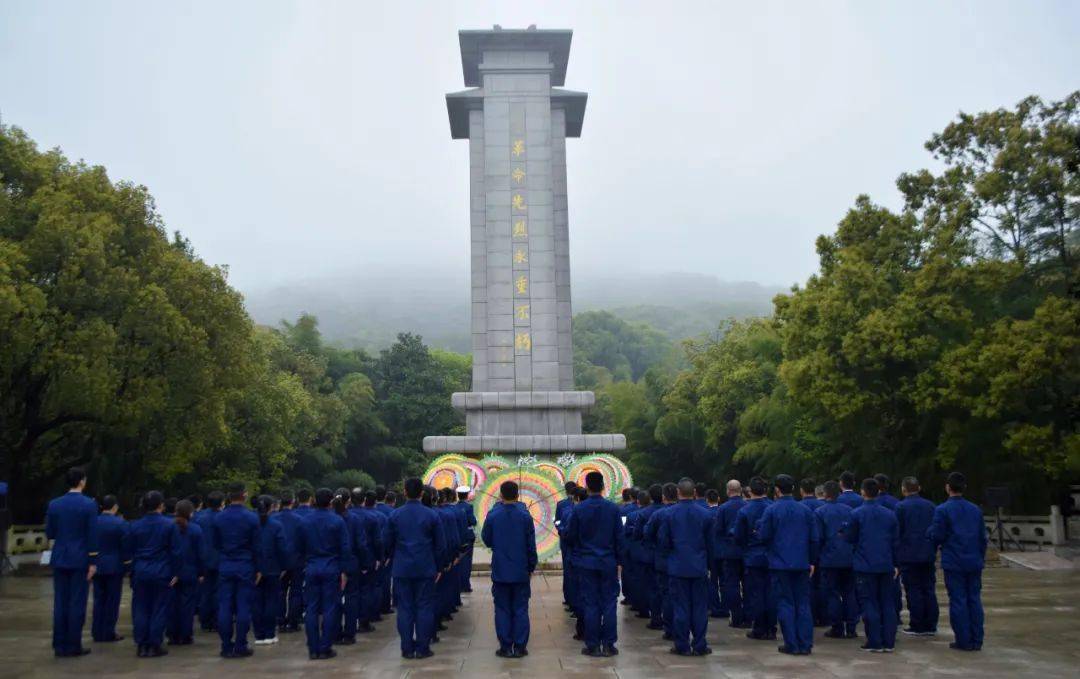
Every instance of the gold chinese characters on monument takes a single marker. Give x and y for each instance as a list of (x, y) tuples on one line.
[(522, 341), (518, 148)]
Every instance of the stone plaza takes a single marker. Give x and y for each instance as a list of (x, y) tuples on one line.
[(1031, 619)]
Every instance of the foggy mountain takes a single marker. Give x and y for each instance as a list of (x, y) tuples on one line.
[(368, 311)]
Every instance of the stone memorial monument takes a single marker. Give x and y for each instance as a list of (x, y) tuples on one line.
[(517, 119)]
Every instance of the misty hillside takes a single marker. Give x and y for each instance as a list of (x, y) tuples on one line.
[(369, 311)]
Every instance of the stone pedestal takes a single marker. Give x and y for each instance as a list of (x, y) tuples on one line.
[(517, 120)]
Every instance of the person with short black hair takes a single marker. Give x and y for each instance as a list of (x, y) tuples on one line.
[(71, 523), (651, 603), (958, 529), (848, 496), (273, 553), (112, 562), (789, 531), (235, 535), (415, 537), (835, 563), (208, 610), (700, 489), (323, 542), (196, 502), (634, 585), (357, 556), (684, 533), (809, 498), (874, 532), (157, 550), (510, 535), (884, 497), (670, 495), (716, 565), (381, 567), (914, 515), (385, 503), (595, 530), (291, 601), (730, 555), (562, 514), (185, 596), (465, 507), (446, 587), (760, 606)]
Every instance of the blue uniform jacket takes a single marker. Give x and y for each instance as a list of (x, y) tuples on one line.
[(466, 509), (112, 539), (369, 552), (812, 503), (374, 526), (323, 542), (414, 536), (510, 535), (235, 535), (595, 532), (452, 540), (888, 501), (71, 522), (652, 537), (191, 553), (384, 509), (210, 556), (833, 519), (876, 537), (563, 508), (646, 549), (726, 515), (686, 533), (156, 548), (914, 515), (626, 508), (746, 535), (350, 561), (850, 498), (274, 551), (789, 531), (959, 529), (290, 521)]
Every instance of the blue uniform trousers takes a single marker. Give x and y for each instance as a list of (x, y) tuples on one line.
[(70, 590), (690, 607), (663, 589), (656, 596), (731, 594), (919, 583), (599, 599), (322, 614), (791, 589), (371, 595), (466, 569), (385, 602), (235, 593), (181, 625), (107, 591), (877, 600), (511, 613), (566, 584), (264, 614), (291, 606), (818, 604), (415, 601), (351, 605), (758, 600), (716, 582), (965, 607), (150, 603), (841, 607), (208, 603)]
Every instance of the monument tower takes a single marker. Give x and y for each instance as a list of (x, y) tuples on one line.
[(517, 119)]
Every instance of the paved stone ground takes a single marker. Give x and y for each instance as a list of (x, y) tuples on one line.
[(1033, 630)]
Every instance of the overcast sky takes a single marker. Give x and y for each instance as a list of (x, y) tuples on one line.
[(308, 139)]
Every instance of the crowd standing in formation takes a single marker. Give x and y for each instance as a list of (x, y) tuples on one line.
[(332, 561)]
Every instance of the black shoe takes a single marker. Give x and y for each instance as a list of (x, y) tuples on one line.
[(346, 641), (141, 653), (242, 652), (643, 615), (364, 628), (155, 652), (330, 654), (578, 637), (609, 651), (592, 652), (717, 615), (957, 647), (655, 625), (173, 642), (420, 655), (314, 656), (870, 649), (504, 653), (408, 656), (115, 637), (226, 654), (435, 638), (742, 625), (675, 651), (786, 650), (705, 651), (667, 636), (834, 634), (377, 618), (520, 651), (851, 635), (442, 627)]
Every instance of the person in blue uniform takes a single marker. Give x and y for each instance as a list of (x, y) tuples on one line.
[(382, 568), (759, 604), (562, 513), (686, 534), (848, 495), (369, 558), (789, 531), (626, 573), (669, 493), (294, 618), (156, 551), (885, 499), (414, 536), (577, 603), (808, 491), (235, 536), (356, 557), (323, 542), (874, 532), (716, 566), (958, 529), (461, 525), (273, 552), (646, 555), (835, 564), (730, 555), (112, 563), (510, 535), (914, 515), (639, 595), (185, 596), (71, 523), (596, 531), (208, 608), (443, 588), (291, 578), (385, 501), (466, 509)]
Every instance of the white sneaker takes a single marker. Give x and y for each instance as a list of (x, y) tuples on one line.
[(262, 642), (272, 641)]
